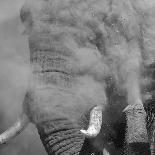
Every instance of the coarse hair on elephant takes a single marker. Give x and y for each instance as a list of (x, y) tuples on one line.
[(88, 61)]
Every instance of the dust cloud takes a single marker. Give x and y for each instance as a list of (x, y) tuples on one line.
[(14, 75)]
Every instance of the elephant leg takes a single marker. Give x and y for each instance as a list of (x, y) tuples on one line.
[(135, 113), (137, 138), (136, 135)]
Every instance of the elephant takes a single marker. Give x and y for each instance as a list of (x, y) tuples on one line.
[(84, 95)]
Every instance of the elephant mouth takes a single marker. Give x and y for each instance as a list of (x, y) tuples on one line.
[(92, 130)]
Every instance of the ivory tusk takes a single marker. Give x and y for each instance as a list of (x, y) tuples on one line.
[(105, 152), (95, 123), (16, 129)]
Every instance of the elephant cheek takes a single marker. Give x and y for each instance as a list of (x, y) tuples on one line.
[(60, 137)]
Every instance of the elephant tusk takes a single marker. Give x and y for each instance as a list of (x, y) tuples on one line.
[(16, 129), (105, 152), (95, 123)]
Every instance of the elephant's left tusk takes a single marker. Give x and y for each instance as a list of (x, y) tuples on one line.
[(16, 129), (105, 152), (95, 123)]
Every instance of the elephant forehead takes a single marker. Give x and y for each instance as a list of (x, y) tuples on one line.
[(49, 54)]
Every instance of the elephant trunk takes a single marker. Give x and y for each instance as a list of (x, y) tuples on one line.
[(60, 137)]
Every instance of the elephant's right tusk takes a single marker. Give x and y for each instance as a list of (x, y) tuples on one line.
[(95, 123), (16, 129)]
